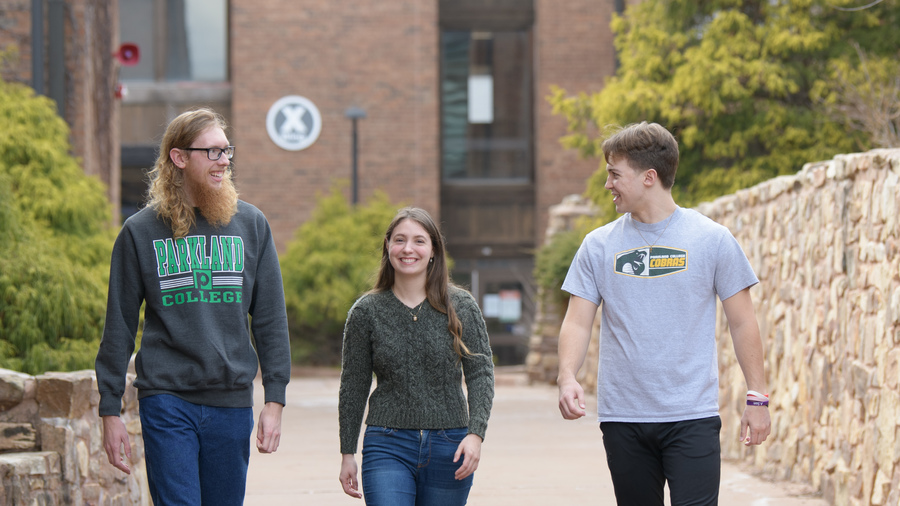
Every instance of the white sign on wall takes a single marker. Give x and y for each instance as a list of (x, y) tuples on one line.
[(481, 99), (293, 123)]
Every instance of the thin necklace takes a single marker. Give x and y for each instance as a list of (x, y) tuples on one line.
[(657, 237), (418, 308)]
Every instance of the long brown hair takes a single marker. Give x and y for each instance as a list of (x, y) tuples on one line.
[(437, 278), (167, 192)]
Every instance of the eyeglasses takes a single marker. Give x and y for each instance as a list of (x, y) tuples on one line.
[(215, 153)]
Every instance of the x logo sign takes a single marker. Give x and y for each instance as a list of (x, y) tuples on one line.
[(293, 122)]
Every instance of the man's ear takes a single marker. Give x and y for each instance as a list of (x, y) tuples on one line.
[(178, 158), (650, 177)]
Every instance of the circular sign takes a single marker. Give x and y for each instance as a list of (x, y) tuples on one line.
[(293, 123)]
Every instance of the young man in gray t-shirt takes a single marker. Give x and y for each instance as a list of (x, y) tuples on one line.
[(656, 273)]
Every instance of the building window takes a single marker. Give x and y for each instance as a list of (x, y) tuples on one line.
[(486, 98), (179, 40)]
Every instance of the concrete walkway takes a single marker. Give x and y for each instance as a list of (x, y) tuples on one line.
[(531, 457)]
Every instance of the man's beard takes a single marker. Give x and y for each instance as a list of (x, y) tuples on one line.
[(217, 205)]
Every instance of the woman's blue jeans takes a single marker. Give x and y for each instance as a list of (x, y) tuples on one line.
[(412, 468), (195, 455)]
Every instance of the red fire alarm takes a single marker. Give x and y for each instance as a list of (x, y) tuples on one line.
[(128, 54)]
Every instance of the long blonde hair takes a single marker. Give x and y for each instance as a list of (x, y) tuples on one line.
[(437, 279), (167, 192)]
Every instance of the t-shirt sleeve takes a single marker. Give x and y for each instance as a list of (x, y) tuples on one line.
[(733, 271), (581, 280)]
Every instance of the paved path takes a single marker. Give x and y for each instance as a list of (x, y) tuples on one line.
[(532, 457)]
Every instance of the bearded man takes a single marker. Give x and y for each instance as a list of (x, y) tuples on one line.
[(201, 261)]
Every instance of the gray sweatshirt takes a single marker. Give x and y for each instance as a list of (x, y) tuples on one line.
[(419, 375), (199, 292)]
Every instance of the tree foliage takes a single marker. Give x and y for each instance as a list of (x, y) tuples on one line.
[(734, 81), (865, 98), (751, 89), (331, 261), (551, 263), (55, 241)]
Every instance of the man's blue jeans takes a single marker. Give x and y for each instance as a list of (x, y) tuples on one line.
[(195, 454), (412, 468)]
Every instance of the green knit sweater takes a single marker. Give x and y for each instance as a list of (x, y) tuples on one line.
[(419, 376)]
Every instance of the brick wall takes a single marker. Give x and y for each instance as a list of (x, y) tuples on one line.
[(380, 56), (574, 50), (384, 57)]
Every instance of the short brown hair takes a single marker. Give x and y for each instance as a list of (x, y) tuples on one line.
[(646, 146)]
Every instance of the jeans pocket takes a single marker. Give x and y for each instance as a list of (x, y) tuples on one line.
[(454, 436)]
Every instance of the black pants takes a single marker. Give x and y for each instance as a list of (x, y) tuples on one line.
[(643, 456)]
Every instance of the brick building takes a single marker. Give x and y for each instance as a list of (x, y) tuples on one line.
[(453, 94)]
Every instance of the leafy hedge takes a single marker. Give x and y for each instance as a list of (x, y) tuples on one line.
[(331, 261), (55, 241)]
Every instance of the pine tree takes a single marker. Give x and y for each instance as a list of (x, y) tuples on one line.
[(55, 241)]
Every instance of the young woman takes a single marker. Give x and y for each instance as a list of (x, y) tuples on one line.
[(418, 333)]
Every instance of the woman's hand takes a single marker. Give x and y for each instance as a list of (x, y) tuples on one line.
[(348, 476), (470, 449)]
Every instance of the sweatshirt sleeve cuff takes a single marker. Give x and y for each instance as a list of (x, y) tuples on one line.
[(110, 405), (275, 392)]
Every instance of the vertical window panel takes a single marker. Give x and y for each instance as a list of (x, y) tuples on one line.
[(486, 111)]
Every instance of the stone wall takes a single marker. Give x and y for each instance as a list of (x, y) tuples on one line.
[(51, 443), (825, 244), (542, 362)]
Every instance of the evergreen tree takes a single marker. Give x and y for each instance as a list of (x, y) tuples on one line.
[(55, 241), (332, 260)]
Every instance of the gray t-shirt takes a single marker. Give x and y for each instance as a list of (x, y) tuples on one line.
[(657, 344)]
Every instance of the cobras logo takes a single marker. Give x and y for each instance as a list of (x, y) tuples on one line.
[(644, 262)]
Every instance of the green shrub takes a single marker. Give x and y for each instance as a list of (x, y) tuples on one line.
[(55, 241), (331, 261), (551, 263)]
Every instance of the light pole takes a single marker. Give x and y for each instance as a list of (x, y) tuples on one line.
[(355, 113)]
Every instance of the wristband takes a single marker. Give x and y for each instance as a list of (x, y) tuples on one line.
[(755, 398)]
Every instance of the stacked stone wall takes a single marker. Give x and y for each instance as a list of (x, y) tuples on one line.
[(825, 244), (51, 443)]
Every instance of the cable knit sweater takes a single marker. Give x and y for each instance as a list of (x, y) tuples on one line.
[(419, 376)]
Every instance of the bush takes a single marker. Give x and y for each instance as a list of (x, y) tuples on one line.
[(552, 260), (55, 241), (332, 260)]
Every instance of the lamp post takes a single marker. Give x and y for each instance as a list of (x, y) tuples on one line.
[(355, 113)]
